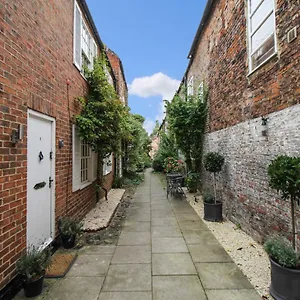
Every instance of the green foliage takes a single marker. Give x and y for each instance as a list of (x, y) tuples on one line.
[(187, 121), (192, 182), (284, 176), (138, 144), (132, 178), (281, 251), (167, 148), (103, 119), (208, 198), (69, 226), (213, 162), (118, 182), (173, 165), (33, 263)]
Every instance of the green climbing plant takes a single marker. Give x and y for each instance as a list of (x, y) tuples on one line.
[(187, 122), (103, 121)]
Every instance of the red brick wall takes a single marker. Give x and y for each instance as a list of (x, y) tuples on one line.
[(121, 83), (221, 60), (36, 60)]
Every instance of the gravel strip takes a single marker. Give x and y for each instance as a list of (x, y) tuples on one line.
[(245, 252), (100, 216)]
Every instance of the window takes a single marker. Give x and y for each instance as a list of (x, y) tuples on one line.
[(190, 87), (84, 163), (201, 92), (107, 165), (261, 29), (85, 47)]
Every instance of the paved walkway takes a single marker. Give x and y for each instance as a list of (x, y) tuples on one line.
[(165, 252)]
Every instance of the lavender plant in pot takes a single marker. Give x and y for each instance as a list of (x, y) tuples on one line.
[(284, 176), (32, 268), (213, 162)]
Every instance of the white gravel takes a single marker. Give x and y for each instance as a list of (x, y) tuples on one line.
[(99, 217), (245, 252)]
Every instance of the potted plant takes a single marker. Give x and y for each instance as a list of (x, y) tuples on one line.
[(284, 176), (192, 181), (213, 163), (69, 228), (32, 267)]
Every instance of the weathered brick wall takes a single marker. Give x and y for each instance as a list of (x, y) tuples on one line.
[(237, 101), (36, 59), (117, 69), (243, 183)]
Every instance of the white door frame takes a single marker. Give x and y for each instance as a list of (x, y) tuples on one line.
[(52, 196)]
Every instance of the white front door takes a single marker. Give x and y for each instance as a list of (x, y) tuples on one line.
[(40, 179)]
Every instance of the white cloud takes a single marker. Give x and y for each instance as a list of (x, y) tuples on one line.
[(149, 125), (158, 84)]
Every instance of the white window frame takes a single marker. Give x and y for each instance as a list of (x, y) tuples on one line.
[(91, 43), (79, 156), (250, 33), (107, 165), (190, 86)]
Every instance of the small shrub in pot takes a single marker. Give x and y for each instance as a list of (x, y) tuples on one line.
[(284, 176), (32, 267), (69, 228), (192, 182)]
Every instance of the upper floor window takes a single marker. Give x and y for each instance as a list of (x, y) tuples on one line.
[(190, 87), (85, 47), (261, 29)]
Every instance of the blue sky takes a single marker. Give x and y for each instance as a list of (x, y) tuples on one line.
[(153, 39)]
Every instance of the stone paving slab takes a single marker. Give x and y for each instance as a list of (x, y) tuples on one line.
[(134, 238), (76, 288), (132, 254), (90, 265), (166, 231), (97, 250), (232, 295), (173, 264), (125, 296), (129, 277), (209, 253), (136, 226), (198, 236), (168, 245), (222, 276), (177, 288)]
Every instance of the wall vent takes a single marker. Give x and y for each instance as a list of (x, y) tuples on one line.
[(292, 34)]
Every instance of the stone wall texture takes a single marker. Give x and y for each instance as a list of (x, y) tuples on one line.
[(36, 61), (243, 182), (237, 102)]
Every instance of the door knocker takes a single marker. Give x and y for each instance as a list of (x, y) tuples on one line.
[(41, 156)]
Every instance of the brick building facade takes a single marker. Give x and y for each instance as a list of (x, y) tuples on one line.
[(43, 45), (248, 55)]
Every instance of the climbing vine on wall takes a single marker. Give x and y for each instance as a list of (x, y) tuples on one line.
[(103, 119)]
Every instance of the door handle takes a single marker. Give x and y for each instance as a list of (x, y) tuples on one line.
[(50, 181)]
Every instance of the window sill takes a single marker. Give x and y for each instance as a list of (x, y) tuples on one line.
[(262, 64), (86, 184)]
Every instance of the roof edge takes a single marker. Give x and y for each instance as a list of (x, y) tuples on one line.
[(205, 16)]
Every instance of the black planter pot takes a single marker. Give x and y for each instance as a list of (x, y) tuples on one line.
[(68, 241), (33, 288), (213, 212), (285, 282)]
